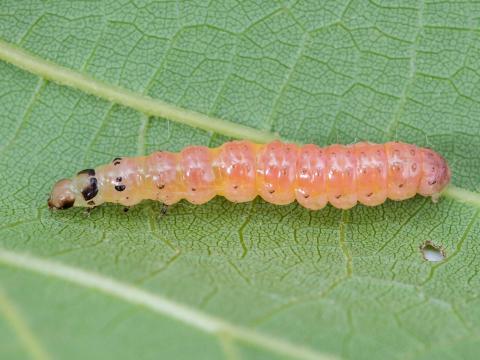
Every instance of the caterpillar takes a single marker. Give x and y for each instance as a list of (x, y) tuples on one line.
[(280, 173)]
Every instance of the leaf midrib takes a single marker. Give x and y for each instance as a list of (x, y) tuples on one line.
[(153, 107), (75, 79)]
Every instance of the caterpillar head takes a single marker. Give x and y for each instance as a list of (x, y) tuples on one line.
[(62, 196), (79, 191)]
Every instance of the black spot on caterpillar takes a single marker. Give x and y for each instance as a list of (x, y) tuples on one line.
[(91, 190), (120, 187), (89, 172)]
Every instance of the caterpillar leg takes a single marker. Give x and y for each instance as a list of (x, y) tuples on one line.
[(126, 208), (435, 198), (88, 211), (163, 212)]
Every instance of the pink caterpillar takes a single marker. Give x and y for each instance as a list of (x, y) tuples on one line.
[(279, 172)]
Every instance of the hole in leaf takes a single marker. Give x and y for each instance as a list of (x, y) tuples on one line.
[(431, 252)]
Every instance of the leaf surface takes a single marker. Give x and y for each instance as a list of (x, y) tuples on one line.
[(254, 279)]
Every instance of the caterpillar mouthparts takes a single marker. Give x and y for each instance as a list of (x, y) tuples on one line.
[(279, 172)]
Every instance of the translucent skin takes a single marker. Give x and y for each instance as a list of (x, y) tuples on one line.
[(280, 173)]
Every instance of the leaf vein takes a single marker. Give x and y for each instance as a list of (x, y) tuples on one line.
[(21, 328), (156, 303), (72, 78)]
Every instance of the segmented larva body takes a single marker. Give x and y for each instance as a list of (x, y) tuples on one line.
[(279, 172)]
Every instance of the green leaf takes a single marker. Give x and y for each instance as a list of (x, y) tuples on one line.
[(83, 82)]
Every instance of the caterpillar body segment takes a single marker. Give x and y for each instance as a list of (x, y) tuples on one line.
[(280, 173)]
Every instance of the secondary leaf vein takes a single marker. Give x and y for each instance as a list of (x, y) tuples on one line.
[(21, 328), (156, 303)]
